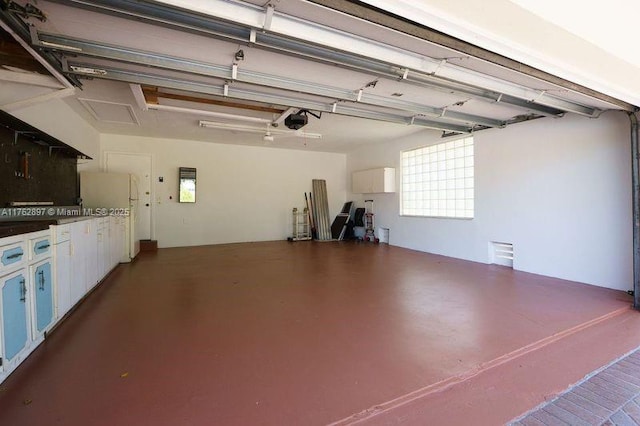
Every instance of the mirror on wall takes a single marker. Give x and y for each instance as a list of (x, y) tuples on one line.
[(187, 185)]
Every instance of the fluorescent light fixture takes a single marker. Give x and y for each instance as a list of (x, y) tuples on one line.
[(250, 129), (209, 113)]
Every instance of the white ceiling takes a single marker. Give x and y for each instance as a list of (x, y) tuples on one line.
[(586, 42), (340, 133)]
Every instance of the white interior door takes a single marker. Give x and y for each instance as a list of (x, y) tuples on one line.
[(140, 166)]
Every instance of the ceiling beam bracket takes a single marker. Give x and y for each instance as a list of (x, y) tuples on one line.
[(268, 17)]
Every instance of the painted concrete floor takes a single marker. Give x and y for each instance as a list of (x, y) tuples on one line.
[(316, 333)]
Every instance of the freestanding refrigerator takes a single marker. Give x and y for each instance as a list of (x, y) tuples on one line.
[(115, 193)]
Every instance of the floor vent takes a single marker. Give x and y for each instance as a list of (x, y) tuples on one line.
[(501, 253)]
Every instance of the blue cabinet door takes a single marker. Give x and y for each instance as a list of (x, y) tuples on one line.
[(14, 315), (43, 290)]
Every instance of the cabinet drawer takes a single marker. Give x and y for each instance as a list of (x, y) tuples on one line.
[(12, 256), (40, 247), (61, 233)]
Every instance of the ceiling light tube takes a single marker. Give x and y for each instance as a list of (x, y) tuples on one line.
[(209, 113), (243, 128)]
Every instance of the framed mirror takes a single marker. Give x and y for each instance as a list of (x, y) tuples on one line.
[(187, 191)]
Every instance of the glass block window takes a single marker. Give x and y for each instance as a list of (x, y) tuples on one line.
[(438, 181)]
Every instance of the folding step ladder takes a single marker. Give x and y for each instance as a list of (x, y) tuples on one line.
[(301, 228)]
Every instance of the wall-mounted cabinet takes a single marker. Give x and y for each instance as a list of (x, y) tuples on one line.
[(373, 181)]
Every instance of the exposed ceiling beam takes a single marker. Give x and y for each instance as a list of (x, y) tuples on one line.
[(157, 60), (13, 25), (238, 22), (14, 55), (249, 95)]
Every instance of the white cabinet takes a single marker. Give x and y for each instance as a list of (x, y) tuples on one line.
[(117, 245), (90, 247), (374, 181), (78, 261), (26, 296), (41, 286), (44, 274), (61, 235), (103, 257)]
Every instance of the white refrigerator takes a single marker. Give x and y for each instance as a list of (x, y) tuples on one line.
[(113, 193)]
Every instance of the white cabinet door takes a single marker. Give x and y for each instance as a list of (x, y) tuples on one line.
[(361, 182), (102, 253), (374, 181), (62, 256), (91, 249), (116, 239), (78, 261)]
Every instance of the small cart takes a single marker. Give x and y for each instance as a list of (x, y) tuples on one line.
[(369, 222)]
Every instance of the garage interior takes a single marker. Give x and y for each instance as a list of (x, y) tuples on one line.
[(227, 322)]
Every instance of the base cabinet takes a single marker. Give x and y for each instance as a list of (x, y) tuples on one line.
[(44, 274), (78, 261), (15, 316), (62, 266)]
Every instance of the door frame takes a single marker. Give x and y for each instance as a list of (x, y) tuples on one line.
[(152, 203)]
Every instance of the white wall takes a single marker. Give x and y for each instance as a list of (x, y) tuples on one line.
[(57, 119), (558, 189), (243, 193)]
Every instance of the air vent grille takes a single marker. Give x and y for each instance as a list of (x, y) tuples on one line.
[(501, 253)]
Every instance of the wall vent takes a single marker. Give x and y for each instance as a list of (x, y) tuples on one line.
[(501, 253)]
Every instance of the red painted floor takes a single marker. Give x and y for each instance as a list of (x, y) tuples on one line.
[(314, 333)]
